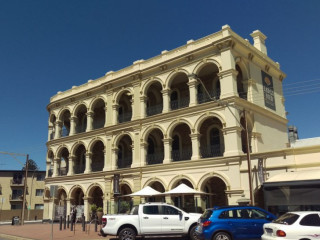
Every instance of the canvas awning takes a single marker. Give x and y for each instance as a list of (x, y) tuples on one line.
[(145, 192), (182, 189), (295, 178)]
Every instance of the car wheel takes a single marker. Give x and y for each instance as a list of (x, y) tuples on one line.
[(102, 233), (192, 234), (127, 234), (221, 236)]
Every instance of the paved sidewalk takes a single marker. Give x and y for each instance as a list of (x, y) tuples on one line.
[(42, 231)]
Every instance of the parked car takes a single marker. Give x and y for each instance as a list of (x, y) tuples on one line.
[(232, 223), (293, 226), (148, 219)]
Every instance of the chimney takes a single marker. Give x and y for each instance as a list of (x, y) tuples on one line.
[(259, 41), (293, 134)]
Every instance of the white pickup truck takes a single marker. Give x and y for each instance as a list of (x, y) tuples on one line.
[(149, 219)]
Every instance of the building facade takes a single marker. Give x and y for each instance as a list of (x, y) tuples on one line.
[(11, 194), (180, 117)]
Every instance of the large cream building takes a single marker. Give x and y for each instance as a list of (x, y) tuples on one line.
[(179, 117)]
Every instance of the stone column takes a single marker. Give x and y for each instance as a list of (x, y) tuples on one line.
[(89, 121), (114, 158), (143, 154), (109, 115), (71, 165), (50, 132), (167, 150), (73, 124), (136, 114), (55, 167), (105, 118), (58, 128), (195, 146), (108, 154), (115, 113), (228, 75), (136, 157), (166, 100), (86, 208), (143, 106), (68, 208), (193, 83), (88, 162), (48, 165)]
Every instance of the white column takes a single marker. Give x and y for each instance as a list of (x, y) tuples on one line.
[(88, 162), (55, 167), (105, 118), (195, 146), (71, 165), (115, 113), (143, 106), (108, 155), (114, 158), (193, 83), (58, 127), (68, 207), (86, 208), (136, 157), (89, 121), (50, 132), (166, 100), (73, 123), (48, 165), (228, 75), (167, 150), (143, 154)]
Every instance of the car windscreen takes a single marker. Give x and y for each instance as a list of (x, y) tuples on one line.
[(287, 219), (207, 214)]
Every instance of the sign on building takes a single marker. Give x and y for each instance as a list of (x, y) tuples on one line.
[(268, 91)]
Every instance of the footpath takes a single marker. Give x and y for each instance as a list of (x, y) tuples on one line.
[(43, 231)]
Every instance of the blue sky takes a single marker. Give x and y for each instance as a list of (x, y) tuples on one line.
[(50, 46)]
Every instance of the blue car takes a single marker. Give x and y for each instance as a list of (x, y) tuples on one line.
[(232, 223)]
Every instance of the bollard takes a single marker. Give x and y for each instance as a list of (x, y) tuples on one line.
[(71, 229), (96, 224), (64, 223), (60, 223), (68, 222), (83, 223)]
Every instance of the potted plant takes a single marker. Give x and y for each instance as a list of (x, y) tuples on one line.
[(93, 211), (124, 207), (99, 213)]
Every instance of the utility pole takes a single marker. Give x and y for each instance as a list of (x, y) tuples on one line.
[(25, 190), (248, 157)]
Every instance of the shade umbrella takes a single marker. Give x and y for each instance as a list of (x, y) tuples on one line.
[(145, 192), (183, 189)]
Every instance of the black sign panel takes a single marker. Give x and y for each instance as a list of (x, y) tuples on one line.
[(268, 91), (116, 184)]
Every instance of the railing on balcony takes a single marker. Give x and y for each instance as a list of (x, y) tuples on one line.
[(212, 151), (63, 171), (182, 103), (155, 158), (64, 132), (78, 169), (203, 96), (16, 197), (99, 123), (17, 182), (125, 117), (155, 109), (97, 166), (125, 162), (184, 154)]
